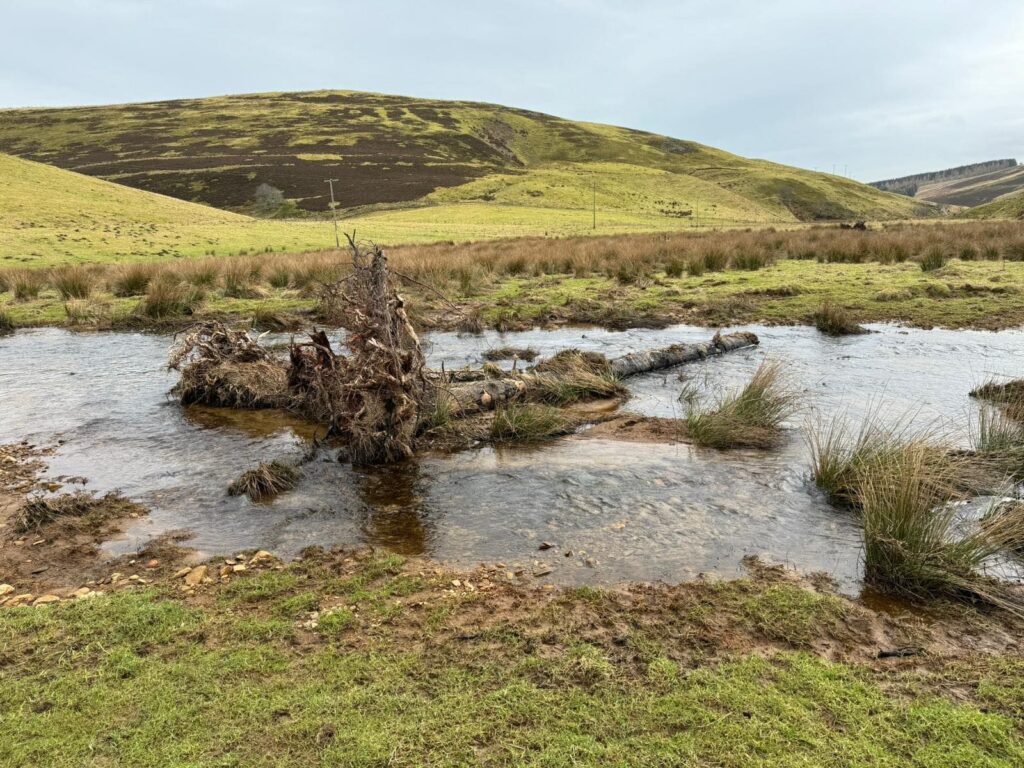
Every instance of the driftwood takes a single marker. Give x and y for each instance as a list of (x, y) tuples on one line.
[(677, 354), (470, 397)]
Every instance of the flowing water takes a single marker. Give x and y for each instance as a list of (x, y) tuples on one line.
[(613, 510)]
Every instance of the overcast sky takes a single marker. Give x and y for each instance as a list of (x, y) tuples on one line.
[(880, 88)]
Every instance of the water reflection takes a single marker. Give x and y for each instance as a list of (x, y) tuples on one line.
[(394, 513)]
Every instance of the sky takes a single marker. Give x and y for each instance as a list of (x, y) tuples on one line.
[(868, 88)]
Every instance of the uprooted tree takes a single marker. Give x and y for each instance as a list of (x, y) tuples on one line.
[(376, 396), (371, 397)]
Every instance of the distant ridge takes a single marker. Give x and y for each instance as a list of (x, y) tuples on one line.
[(965, 185)]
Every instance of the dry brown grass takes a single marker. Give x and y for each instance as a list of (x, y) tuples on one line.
[(265, 481), (465, 269)]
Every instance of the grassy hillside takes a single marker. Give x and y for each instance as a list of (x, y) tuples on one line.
[(51, 216), (1006, 207), (388, 150)]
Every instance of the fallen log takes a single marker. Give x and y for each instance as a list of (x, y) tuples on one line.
[(677, 354), (471, 397)]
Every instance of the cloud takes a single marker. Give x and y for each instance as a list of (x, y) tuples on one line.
[(884, 88)]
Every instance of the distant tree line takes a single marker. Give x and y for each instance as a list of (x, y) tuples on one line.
[(908, 185)]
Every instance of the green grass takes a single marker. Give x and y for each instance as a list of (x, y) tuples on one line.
[(104, 681), (751, 417)]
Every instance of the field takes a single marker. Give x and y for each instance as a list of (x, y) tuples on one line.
[(388, 150), (50, 217), (957, 275), (406, 665)]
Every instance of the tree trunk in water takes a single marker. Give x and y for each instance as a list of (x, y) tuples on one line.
[(470, 397), (668, 357)]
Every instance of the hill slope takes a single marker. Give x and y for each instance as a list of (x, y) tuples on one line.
[(1005, 207), (967, 185), (48, 215), (395, 150)]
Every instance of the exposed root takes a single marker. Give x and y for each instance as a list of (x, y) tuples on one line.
[(223, 367), (371, 398)]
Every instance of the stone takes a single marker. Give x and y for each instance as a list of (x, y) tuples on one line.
[(542, 571), (81, 592), (239, 568), (154, 563), (5, 589), (182, 572), (545, 545), (23, 599), (262, 557), (195, 576), (225, 570), (46, 600)]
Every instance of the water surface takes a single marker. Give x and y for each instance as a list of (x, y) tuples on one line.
[(620, 510)]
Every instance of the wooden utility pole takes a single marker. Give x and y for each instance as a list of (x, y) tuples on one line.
[(334, 213), (594, 181)]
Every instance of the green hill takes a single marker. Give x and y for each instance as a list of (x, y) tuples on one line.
[(1005, 207), (48, 215), (399, 152)]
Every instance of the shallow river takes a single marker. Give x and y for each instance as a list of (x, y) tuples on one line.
[(623, 510)]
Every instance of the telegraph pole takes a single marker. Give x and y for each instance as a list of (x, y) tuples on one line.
[(334, 213), (594, 182)]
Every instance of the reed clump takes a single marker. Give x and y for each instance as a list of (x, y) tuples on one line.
[(571, 376), (751, 417), (265, 481), (72, 282), (132, 279), (907, 487), (528, 422), (835, 320), (167, 297)]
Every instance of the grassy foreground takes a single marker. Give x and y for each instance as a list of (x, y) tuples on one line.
[(369, 660), (965, 275)]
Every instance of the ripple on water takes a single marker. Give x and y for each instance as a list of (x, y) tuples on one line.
[(623, 510)]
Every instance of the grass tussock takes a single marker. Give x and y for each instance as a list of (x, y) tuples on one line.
[(572, 376), (914, 543), (265, 481), (6, 321), (132, 279), (906, 487), (528, 422), (511, 353), (1008, 395), (834, 320), (751, 417), (25, 284), (169, 298), (439, 412), (72, 282)]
